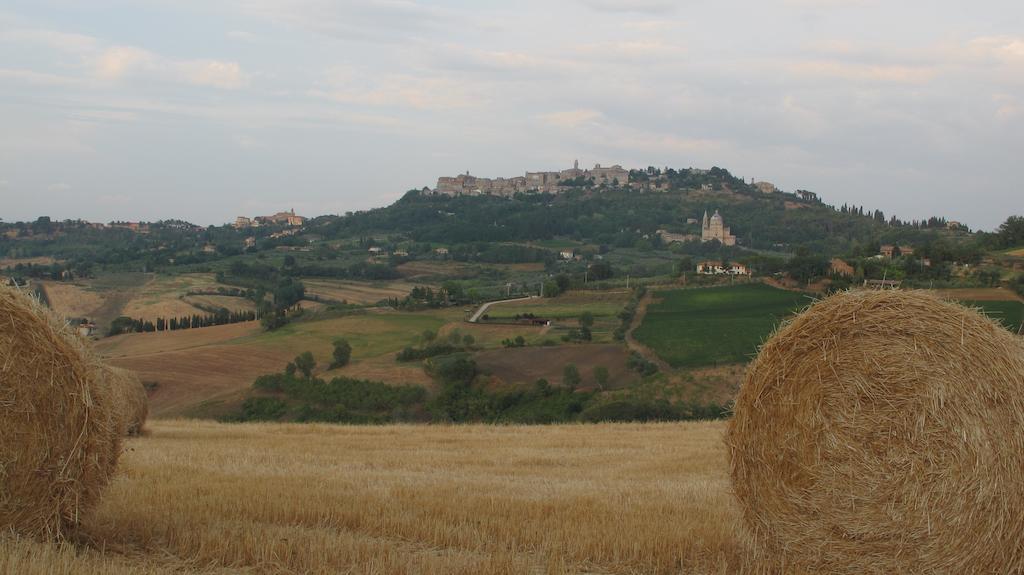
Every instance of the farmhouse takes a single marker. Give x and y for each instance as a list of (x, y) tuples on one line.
[(765, 187), (840, 268), (714, 267), (890, 251)]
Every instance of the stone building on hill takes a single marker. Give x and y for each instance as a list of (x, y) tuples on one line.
[(466, 184), (714, 228)]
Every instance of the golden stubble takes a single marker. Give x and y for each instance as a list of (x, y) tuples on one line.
[(292, 498)]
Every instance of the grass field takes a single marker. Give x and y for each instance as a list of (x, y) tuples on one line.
[(698, 327), (565, 310), (38, 261), (216, 498), (528, 364), (1010, 313)]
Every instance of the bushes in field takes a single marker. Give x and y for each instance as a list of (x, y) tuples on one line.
[(628, 312), (463, 396), (296, 395)]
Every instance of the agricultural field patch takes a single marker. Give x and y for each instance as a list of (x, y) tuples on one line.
[(134, 344), (569, 305), (370, 334), (979, 294), (1009, 313), (712, 326), (488, 335), (356, 292), (565, 311), (460, 500), (187, 377), (37, 261), (528, 364), (162, 295), (416, 270), (230, 303), (74, 300)]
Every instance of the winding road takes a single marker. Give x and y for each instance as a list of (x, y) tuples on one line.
[(483, 309)]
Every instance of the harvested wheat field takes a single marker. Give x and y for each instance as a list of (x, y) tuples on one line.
[(356, 292), (262, 498)]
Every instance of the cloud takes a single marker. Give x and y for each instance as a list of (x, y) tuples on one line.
[(216, 73), (859, 72), (121, 62), (351, 85), (572, 118), (642, 6), (54, 39), (34, 78), (241, 36), (633, 50), (1008, 107), (58, 187), (1005, 49), (114, 199), (360, 20)]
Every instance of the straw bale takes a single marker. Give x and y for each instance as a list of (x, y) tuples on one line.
[(883, 432), (133, 403), (59, 430)]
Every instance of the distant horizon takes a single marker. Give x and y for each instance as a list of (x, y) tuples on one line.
[(200, 110), (312, 215)]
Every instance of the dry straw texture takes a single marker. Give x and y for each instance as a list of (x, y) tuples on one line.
[(59, 431), (131, 397), (883, 432)]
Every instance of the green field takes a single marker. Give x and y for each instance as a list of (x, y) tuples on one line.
[(566, 306), (1010, 313), (699, 327)]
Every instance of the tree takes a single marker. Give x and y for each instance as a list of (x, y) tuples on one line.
[(601, 376), (587, 319), (305, 363), (429, 335), (342, 353), (468, 340), (571, 376), (1011, 232)]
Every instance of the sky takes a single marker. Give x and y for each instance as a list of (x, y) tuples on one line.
[(204, 110)]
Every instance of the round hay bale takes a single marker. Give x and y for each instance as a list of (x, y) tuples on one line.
[(59, 438), (883, 432), (131, 395)]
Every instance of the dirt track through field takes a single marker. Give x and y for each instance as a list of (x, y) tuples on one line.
[(633, 344)]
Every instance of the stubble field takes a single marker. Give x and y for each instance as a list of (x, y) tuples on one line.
[(218, 498)]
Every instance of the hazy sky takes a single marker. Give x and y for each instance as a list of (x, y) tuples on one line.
[(204, 110)]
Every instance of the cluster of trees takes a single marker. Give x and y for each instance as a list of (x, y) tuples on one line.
[(297, 395), (421, 298), (222, 316), (461, 399), (433, 347)]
